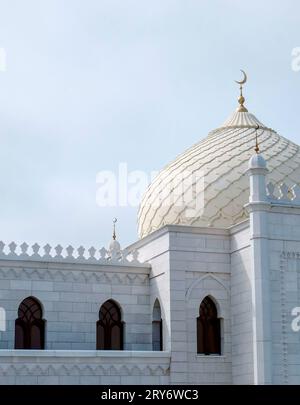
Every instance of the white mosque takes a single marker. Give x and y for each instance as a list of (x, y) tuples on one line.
[(209, 294)]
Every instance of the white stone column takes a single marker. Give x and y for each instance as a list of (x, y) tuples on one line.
[(258, 208)]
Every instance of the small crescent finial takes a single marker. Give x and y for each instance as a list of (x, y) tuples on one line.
[(241, 99), (256, 140), (114, 228)]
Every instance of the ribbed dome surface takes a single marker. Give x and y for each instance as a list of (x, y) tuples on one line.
[(175, 197)]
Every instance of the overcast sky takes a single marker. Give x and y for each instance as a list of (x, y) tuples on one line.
[(91, 83)]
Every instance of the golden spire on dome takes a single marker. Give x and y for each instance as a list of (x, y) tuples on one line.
[(114, 228), (241, 99), (256, 140)]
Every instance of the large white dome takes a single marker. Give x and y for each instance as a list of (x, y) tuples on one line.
[(222, 158)]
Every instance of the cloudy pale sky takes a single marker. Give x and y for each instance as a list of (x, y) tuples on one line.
[(88, 84)]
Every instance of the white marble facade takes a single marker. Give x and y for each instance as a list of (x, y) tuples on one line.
[(250, 270)]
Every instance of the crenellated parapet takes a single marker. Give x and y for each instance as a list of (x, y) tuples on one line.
[(283, 194), (47, 253)]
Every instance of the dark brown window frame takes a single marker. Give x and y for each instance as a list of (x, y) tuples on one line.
[(208, 329), (29, 322), (110, 321), (160, 325), (157, 323)]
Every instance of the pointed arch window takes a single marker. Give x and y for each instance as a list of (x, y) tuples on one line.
[(157, 328), (110, 327), (208, 328), (30, 325)]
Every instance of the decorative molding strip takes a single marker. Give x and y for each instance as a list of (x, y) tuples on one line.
[(284, 346), (58, 369), (283, 194), (290, 255), (69, 255), (78, 276)]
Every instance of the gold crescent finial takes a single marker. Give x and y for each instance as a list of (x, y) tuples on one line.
[(243, 81), (256, 140), (241, 99), (114, 228)]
